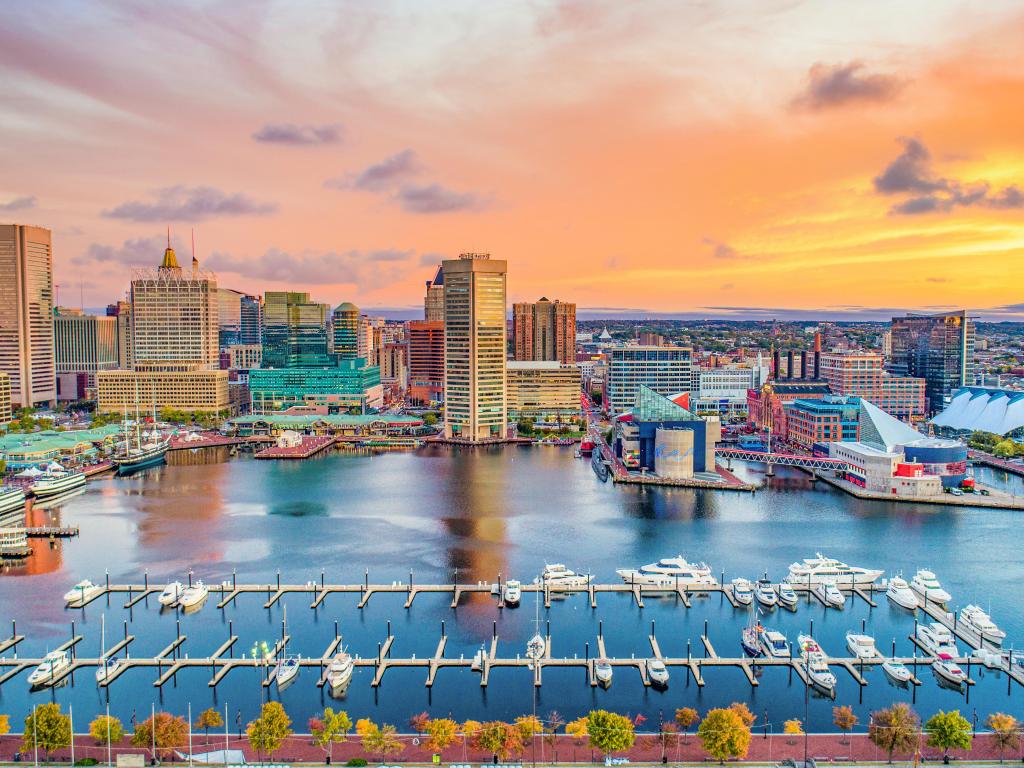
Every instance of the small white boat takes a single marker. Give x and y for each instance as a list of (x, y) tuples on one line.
[(511, 593), (742, 591), (948, 670), (340, 671), (107, 669), (988, 657), (976, 620), (787, 596), (927, 585), (171, 594), (774, 644), (829, 594), (81, 593), (51, 666), (900, 593), (898, 672), (937, 639), (603, 672), (286, 671), (816, 664), (765, 593), (861, 646), (658, 672), (536, 647), (193, 596), (557, 576)]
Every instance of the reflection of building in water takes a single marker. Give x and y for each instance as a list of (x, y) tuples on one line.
[(47, 555)]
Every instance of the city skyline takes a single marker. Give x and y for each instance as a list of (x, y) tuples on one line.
[(651, 175)]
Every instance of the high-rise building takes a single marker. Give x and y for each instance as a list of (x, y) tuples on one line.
[(426, 361), (6, 413), (936, 348), (294, 331), (251, 320), (345, 327), (860, 374), (475, 340), (394, 366), (83, 344), (543, 390), (121, 311), (349, 385), (544, 330), (229, 307), (666, 370), (26, 314), (433, 300)]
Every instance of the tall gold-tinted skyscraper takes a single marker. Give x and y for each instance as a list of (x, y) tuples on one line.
[(26, 314), (474, 340)]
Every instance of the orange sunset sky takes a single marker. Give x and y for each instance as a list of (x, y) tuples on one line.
[(733, 158)]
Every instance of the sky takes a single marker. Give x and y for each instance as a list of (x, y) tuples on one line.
[(735, 159)]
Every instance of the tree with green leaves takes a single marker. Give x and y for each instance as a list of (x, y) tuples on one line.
[(844, 719), (164, 730), (47, 728), (1004, 727), (948, 730), (329, 729), (724, 734), (267, 732), (209, 718), (499, 738), (609, 732), (894, 728), (106, 729), (685, 717), (381, 740)]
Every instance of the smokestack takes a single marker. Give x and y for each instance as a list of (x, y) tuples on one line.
[(803, 365), (789, 364), (817, 364)]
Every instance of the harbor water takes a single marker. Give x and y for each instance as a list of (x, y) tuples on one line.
[(447, 513)]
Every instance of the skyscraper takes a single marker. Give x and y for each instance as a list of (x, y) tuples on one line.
[(229, 309), (545, 330), (433, 300), (936, 348), (121, 310), (475, 338), (345, 325), (83, 344), (294, 331), (251, 313), (666, 370), (426, 361), (26, 314)]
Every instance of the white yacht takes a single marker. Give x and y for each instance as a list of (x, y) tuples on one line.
[(937, 639), (742, 591), (976, 620), (897, 671), (14, 543), (861, 646), (171, 594), (286, 671), (511, 593), (812, 570), (668, 573), (787, 596), (556, 575), (108, 669), (340, 671), (194, 596), (12, 498), (900, 593), (658, 672), (948, 670), (774, 644), (816, 664), (81, 593), (536, 647), (925, 584), (765, 593), (52, 665), (56, 480), (603, 672), (829, 594)]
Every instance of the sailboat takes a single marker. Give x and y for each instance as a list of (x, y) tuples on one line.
[(142, 454), (110, 666), (751, 636), (536, 646), (288, 667)]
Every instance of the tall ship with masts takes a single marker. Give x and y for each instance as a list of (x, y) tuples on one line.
[(140, 450)]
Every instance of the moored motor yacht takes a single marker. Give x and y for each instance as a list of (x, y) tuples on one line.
[(927, 585), (194, 595), (658, 672), (603, 672), (669, 572), (812, 570), (742, 591), (937, 639), (861, 646), (774, 644), (511, 593), (898, 672), (948, 670), (900, 593), (56, 480), (816, 664), (52, 665), (286, 671), (977, 620), (765, 593), (556, 575), (12, 498), (787, 596), (829, 594), (171, 594), (340, 671), (108, 669), (81, 593)]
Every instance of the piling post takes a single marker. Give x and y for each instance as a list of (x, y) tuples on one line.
[(410, 579), (234, 579), (389, 627), (106, 575), (145, 578), (812, 628), (335, 627), (190, 578), (652, 626), (279, 578), (231, 633), (863, 625), (442, 627), (586, 652), (366, 580), (1009, 677), (73, 654), (600, 628), (688, 650), (126, 630), (321, 578), (494, 629)]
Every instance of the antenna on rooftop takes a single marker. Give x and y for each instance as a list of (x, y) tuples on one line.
[(193, 243), (168, 235)]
